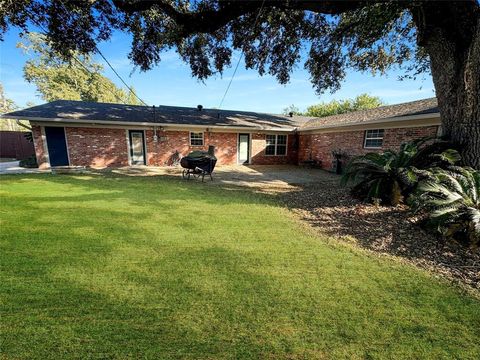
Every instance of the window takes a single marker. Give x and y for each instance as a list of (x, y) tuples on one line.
[(281, 144), (276, 145), (270, 148), (373, 138), (196, 139)]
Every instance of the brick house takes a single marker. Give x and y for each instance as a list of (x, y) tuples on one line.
[(76, 133)]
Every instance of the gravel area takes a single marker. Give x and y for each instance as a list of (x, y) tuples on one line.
[(387, 230)]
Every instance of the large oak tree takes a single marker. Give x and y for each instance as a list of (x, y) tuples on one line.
[(442, 37)]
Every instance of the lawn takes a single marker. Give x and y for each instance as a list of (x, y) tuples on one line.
[(123, 267)]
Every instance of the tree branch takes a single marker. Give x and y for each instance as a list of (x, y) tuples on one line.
[(210, 20)]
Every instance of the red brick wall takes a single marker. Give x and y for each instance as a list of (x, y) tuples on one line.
[(100, 147), (160, 153), (97, 147), (320, 146), (39, 147), (258, 151), (393, 138)]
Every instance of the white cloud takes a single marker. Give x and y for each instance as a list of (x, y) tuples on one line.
[(121, 63), (243, 77), (14, 82), (396, 93), (6, 68)]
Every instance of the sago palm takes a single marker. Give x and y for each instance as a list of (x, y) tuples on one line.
[(450, 200), (390, 176)]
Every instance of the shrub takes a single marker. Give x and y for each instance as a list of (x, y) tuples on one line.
[(450, 201), (30, 162), (391, 176)]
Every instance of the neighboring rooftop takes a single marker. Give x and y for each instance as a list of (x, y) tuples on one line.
[(418, 107), (88, 112)]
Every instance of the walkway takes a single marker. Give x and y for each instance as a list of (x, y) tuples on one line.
[(11, 167)]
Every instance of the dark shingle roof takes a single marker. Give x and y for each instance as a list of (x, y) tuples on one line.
[(89, 112), (419, 107), (81, 111)]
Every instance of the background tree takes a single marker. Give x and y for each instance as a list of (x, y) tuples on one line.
[(418, 35), (8, 105), (58, 78), (291, 109), (334, 107)]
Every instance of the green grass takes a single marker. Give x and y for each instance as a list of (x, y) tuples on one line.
[(119, 267)]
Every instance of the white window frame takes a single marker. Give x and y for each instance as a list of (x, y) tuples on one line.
[(275, 145), (196, 132), (367, 137)]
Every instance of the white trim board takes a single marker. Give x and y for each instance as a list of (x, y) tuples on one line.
[(422, 120), (66, 145), (94, 123), (373, 125), (45, 146)]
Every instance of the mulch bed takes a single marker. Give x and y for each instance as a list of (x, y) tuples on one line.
[(388, 230)]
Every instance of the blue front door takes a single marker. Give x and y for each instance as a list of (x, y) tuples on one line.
[(57, 146)]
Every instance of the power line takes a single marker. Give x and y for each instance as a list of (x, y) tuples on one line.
[(110, 65), (124, 83), (77, 60), (105, 86), (240, 58)]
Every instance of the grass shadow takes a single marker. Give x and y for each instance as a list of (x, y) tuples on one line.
[(119, 267)]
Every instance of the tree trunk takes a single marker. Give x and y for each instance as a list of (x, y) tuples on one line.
[(450, 33)]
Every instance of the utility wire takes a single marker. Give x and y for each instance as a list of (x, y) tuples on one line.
[(76, 59), (240, 58), (115, 72), (110, 65), (124, 83)]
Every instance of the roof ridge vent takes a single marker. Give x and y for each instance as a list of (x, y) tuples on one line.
[(199, 107)]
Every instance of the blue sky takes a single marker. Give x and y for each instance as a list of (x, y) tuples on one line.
[(170, 83)]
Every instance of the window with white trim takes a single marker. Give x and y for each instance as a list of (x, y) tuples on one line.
[(281, 145), (276, 145), (196, 139), (373, 139)]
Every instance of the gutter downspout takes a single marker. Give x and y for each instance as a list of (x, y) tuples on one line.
[(23, 125)]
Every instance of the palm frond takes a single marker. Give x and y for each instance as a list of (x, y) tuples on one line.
[(450, 198), (384, 175), (475, 216), (452, 210), (450, 156)]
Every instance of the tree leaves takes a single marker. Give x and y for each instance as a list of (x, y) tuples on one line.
[(57, 78), (334, 107), (336, 35)]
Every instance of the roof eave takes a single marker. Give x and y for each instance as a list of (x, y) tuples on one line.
[(73, 122), (392, 120)]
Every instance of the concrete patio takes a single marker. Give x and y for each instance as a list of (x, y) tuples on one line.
[(269, 178), (12, 167)]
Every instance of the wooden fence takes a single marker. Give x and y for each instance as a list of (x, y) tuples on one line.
[(14, 145)]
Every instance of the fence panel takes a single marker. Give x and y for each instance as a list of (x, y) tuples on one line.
[(13, 144)]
